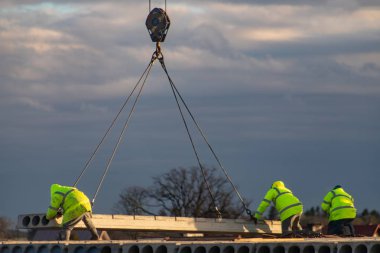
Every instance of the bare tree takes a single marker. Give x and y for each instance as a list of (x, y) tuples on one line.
[(182, 192), (133, 200)]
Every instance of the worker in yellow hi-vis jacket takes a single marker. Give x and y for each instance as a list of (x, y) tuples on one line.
[(339, 205), (74, 206), (288, 206)]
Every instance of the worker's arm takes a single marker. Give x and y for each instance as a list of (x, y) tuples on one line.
[(54, 207), (264, 204), (326, 204), (352, 198)]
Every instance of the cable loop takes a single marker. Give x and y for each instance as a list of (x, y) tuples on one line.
[(176, 92), (87, 164)]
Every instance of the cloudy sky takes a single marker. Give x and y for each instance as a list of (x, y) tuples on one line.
[(283, 89)]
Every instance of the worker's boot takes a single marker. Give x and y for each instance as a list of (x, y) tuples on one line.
[(64, 235), (67, 235), (94, 234), (90, 226), (348, 230)]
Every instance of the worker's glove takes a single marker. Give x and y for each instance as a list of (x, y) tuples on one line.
[(254, 219), (59, 213)]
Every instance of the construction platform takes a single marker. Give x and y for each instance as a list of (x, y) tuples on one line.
[(317, 245), (238, 228)]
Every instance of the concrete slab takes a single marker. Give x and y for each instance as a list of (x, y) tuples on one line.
[(158, 223)]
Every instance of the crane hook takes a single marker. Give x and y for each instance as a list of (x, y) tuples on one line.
[(157, 23)]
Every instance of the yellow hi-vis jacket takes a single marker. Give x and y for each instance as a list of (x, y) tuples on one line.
[(284, 201), (73, 202), (339, 205)]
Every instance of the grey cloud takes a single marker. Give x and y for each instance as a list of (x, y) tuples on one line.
[(322, 46), (6, 3), (207, 37)]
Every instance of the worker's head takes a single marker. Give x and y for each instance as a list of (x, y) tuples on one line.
[(278, 184), (337, 186)]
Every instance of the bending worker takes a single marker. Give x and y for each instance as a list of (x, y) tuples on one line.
[(287, 205), (339, 205), (74, 206)]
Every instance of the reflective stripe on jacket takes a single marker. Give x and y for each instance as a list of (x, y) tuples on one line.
[(284, 201), (339, 205), (73, 202)]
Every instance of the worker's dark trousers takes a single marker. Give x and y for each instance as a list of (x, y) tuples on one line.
[(291, 224), (341, 227), (68, 227)]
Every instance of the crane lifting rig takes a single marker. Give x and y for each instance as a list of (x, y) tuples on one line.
[(158, 24)]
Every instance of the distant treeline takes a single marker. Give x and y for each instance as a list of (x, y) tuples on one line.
[(366, 217)]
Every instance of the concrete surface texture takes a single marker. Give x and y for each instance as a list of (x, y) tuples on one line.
[(325, 245)]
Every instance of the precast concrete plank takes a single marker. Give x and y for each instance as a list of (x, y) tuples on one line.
[(158, 223)]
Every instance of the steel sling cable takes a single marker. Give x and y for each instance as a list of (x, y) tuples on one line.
[(154, 57), (161, 59), (248, 211), (109, 128)]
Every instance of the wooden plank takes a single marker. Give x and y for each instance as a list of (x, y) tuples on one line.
[(159, 223)]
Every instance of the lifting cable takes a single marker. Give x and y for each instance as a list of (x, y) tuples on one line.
[(143, 76), (158, 17), (154, 57), (161, 59), (109, 128), (158, 24), (176, 92), (150, 6)]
